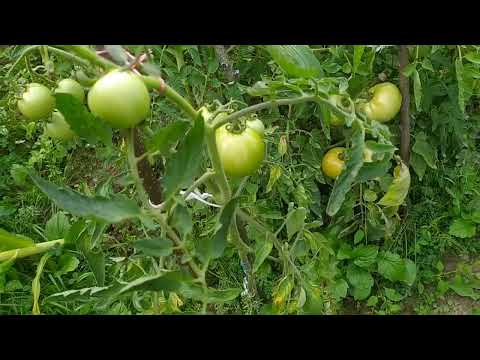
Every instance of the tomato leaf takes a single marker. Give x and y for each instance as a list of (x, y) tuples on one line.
[(113, 210), (357, 56), (214, 247), (9, 241), (296, 60), (154, 246), (417, 90), (424, 149), (473, 57), (419, 165), (165, 137), (82, 121), (263, 248), (353, 165), (183, 166), (398, 190), (295, 221)]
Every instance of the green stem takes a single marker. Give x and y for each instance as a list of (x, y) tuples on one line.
[(132, 163), (220, 177), (31, 250), (274, 103), (158, 84), (178, 242), (199, 182), (90, 55), (243, 251)]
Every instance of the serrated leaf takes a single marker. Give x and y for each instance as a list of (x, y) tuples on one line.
[(113, 210), (83, 122), (419, 165), (66, 263), (296, 60), (417, 90), (183, 166), (357, 56), (374, 170), (163, 139), (9, 241), (424, 149), (182, 220), (154, 247), (263, 248), (117, 53), (361, 281), (352, 167), (462, 228), (398, 189), (409, 69), (57, 227), (359, 236), (275, 174), (213, 247), (295, 221)]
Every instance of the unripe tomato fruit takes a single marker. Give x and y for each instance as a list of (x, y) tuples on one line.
[(242, 153), (257, 125), (332, 164), (70, 86), (37, 102), (385, 103), (58, 128), (120, 98)]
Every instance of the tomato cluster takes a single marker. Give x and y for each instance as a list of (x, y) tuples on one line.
[(383, 106), (120, 98)]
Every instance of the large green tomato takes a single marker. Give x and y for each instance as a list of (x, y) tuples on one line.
[(242, 153), (58, 128), (37, 102), (257, 125), (120, 98), (385, 103), (70, 86)]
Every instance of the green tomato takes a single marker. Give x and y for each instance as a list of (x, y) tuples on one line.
[(37, 102), (257, 125), (242, 153), (58, 128), (385, 103), (120, 98), (70, 86)]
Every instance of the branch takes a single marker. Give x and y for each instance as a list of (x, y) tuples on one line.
[(404, 115)]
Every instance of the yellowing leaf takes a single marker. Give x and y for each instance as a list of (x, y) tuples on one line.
[(398, 190)]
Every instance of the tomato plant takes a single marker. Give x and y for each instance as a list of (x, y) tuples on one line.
[(264, 191), (120, 98), (37, 102)]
